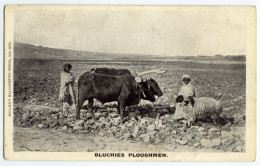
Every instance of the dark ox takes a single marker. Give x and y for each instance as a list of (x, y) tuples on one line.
[(110, 71), (107, 88)]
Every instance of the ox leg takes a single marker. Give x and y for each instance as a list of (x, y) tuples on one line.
[(90, 107), (81, 100), (118, 108), (122, 110)]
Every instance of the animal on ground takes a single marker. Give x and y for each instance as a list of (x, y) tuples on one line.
[(203, 108), (106, 88)]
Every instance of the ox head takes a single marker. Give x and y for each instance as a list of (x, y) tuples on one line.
[(154, 87), (149, 89)]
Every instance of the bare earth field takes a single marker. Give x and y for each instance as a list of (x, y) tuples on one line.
[(49, 140), (39, 124)]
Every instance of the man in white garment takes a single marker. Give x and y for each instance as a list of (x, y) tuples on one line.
[(67, 94)]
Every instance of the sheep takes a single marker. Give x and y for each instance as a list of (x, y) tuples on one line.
[(201, 108)]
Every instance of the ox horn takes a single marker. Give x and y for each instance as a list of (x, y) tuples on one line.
[(143, 94)]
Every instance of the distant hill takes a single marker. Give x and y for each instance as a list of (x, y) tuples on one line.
[(29, 51)]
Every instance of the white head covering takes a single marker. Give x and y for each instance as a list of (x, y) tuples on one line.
[(185, 76)]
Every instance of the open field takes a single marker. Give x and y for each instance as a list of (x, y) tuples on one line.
[(36, 84)]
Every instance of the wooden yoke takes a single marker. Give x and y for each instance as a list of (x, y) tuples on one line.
[(158, 71)]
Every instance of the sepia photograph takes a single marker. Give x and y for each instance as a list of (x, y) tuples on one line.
[(130, 83)]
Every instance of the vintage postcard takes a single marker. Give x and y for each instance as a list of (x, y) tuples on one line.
[(130, 83)]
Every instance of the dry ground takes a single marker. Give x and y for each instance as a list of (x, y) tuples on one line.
[(38, 84)]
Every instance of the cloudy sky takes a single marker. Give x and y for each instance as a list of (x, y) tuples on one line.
[(158, 32)]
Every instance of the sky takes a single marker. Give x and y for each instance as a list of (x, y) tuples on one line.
[(135, 31)]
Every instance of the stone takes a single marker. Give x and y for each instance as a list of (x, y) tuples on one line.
[(157, 140), (116, 121), (40, 125), (70, 130), (215, 142), (64, 128), (143, 121), (126, 136), (45, 113), (84, 111), (151, 127), (101, 134), (54, 123), (78, 128), (213, 130), (152, 134), (132, 115), (110, 124), (71, 116), (166, 116), (136, 131), (33, 100), (201, 129), (34, 120), (71, 124), (167, 129), (88, 116), (62, 122), (182, 142), (79, 123), (238, 118), (104, 123), (90, 122), (226, 134), (97, 114), (214, 134), (142, 135), (239, 149), (55, 116), (123, 129), (158, 124), (196, 145), (103, 115), (113, 115), (204, 133), (149, 120), (174, 132), (194, 127), (45, 125), (147, 138), (205, 143), (25, 116), (130, 124), (17, 117), (62, 116), (189, 136), (227, 142)]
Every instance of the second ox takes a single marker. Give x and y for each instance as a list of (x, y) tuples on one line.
[(110, 71), (108, 88)]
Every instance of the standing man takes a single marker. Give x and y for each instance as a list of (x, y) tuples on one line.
[(67, 94)]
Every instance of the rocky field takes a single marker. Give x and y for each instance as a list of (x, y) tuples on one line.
[(36, 88)]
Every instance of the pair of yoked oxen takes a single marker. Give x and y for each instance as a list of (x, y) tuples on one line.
[(109, 84)]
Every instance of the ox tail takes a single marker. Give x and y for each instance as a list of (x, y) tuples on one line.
[(78, 104)]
